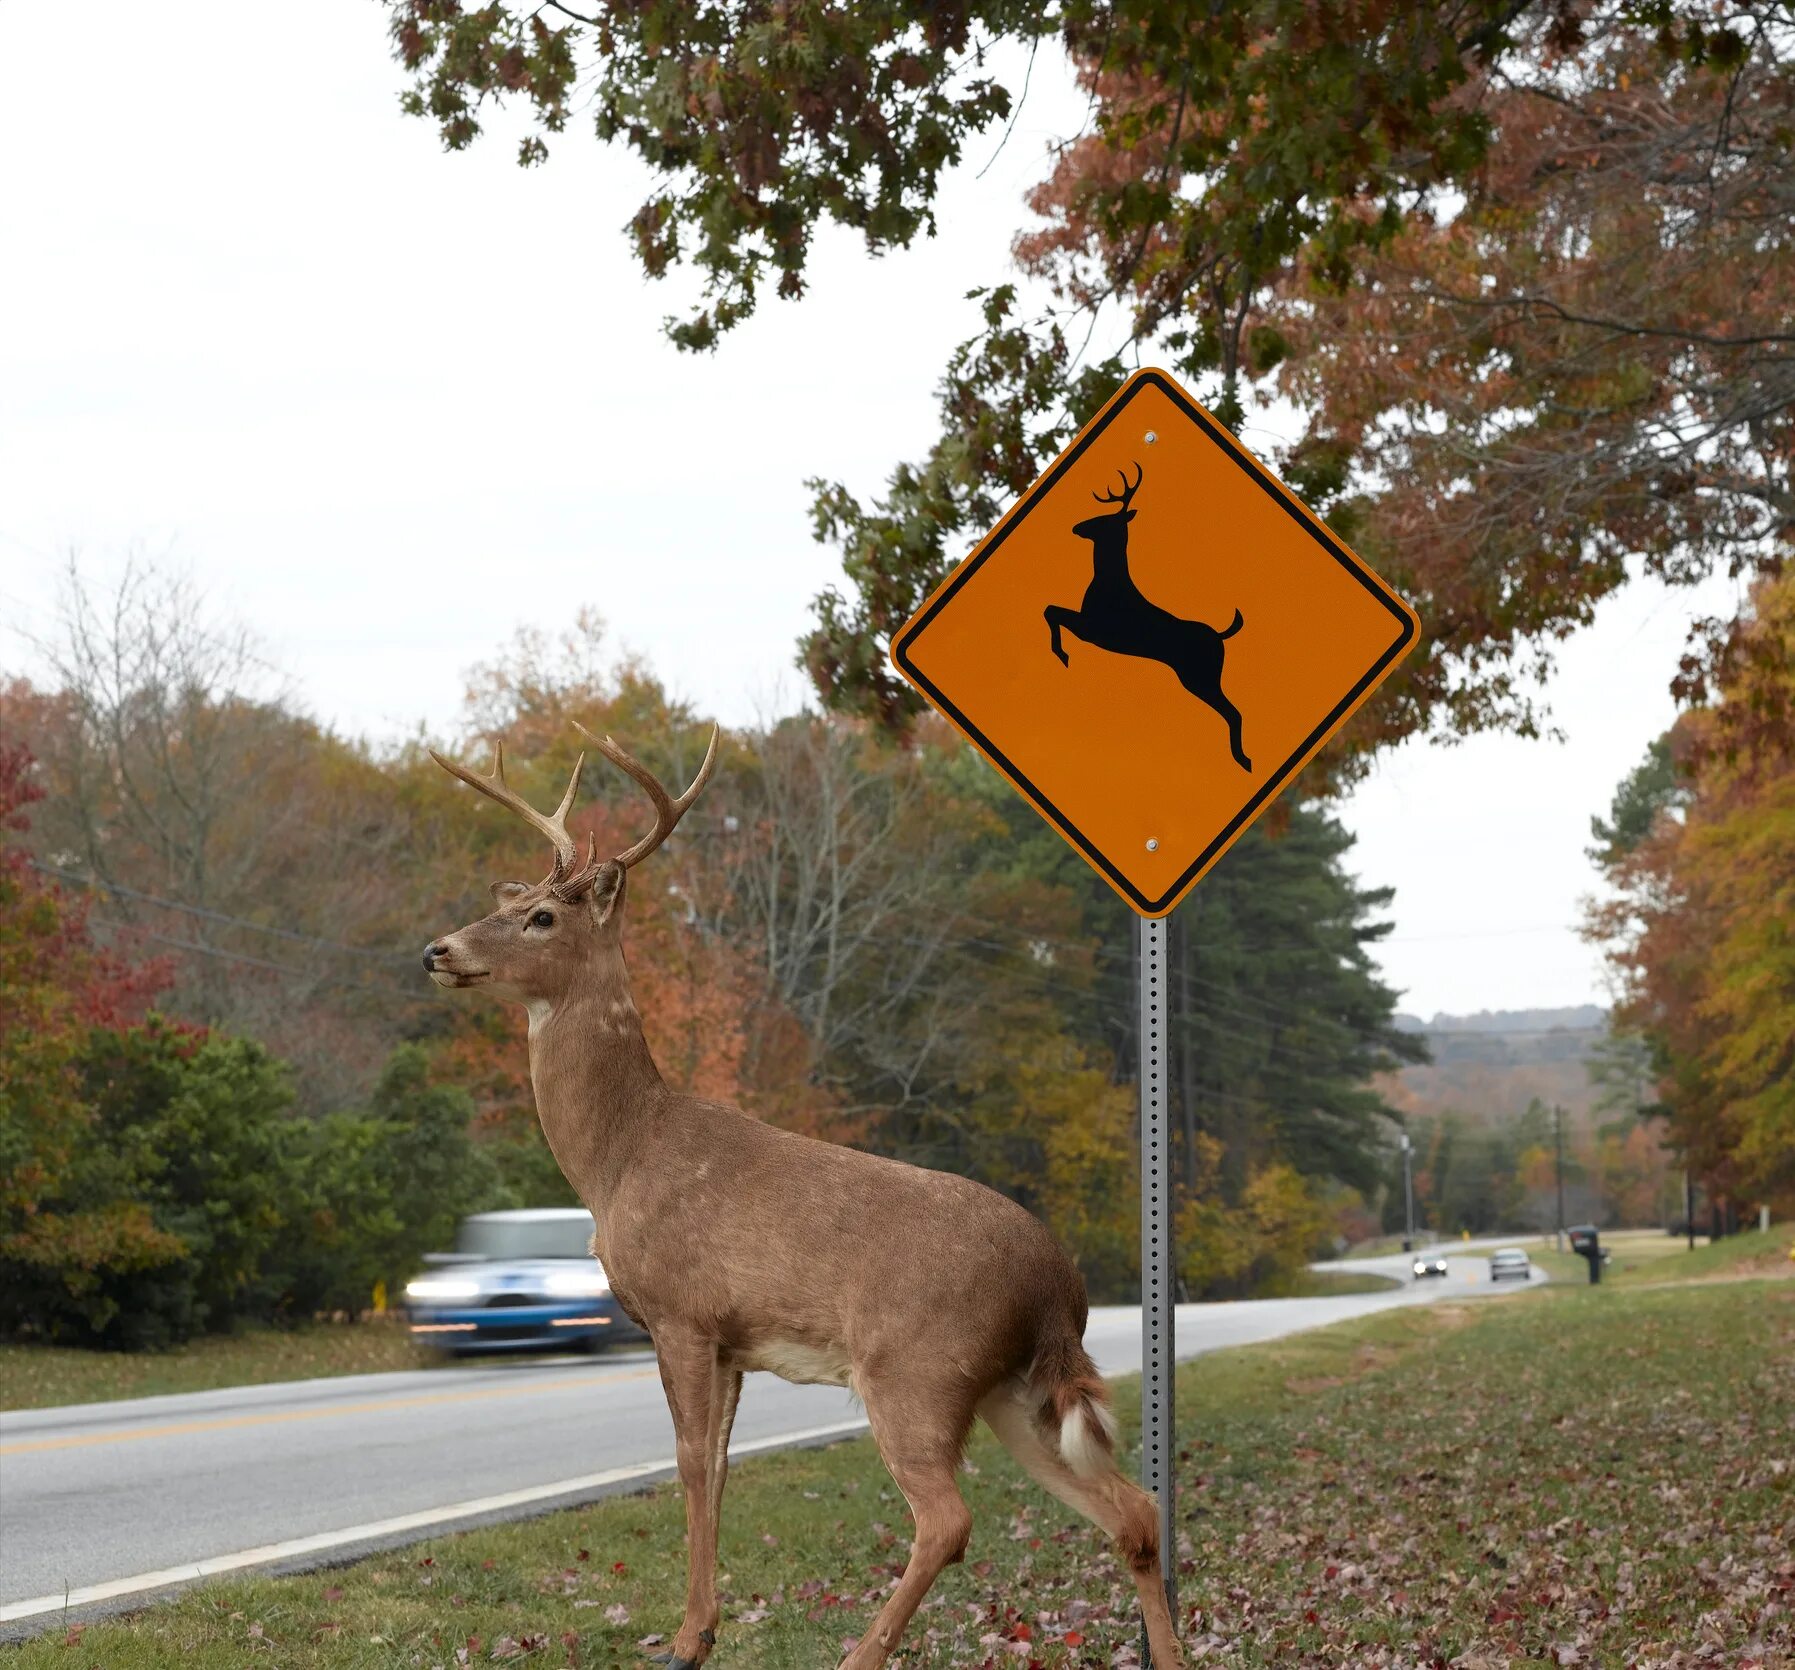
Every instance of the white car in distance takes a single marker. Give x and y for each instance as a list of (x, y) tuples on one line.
[(1510, 1261)]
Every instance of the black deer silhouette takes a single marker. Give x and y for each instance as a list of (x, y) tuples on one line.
[(1116, 617)]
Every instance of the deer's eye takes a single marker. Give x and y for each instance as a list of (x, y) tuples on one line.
[(543, 919)]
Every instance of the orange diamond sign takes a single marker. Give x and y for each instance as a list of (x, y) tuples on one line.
[(1153, 641)]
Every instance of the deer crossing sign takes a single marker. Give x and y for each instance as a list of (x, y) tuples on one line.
[(1153, 641)]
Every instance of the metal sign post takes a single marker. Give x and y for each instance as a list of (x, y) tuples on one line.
[(1158, 1281), (1224, 634)]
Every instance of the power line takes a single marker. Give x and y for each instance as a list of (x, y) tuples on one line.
[(258, 962), (1317, 1057), (391, 959), (1259, 1013), (1123, 960)]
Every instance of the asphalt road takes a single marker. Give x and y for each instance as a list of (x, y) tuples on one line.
[(103, 1504)]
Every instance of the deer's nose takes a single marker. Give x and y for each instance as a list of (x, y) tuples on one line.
[(431, 952)]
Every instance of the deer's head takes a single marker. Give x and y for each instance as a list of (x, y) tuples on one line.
[(543, 936), (1112, 525)]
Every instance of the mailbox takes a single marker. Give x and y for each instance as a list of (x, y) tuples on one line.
[(1587, 1244)]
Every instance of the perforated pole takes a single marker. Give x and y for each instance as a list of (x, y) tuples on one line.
[(1158, 1450)]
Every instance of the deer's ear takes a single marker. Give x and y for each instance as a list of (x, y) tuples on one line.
[(606, 891), (503, 890)]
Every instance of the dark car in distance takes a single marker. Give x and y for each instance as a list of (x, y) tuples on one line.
[(517, 1281), (1430, 1264)]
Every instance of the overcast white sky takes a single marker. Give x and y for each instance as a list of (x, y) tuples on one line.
[(388, 404)]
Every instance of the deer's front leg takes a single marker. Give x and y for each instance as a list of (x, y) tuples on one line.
[(1056, 617), (701, 1394)]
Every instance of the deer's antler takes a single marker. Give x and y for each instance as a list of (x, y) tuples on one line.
[(1127, 492), (494, 787), (667, 810)]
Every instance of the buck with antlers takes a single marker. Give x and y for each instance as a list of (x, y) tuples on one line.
[(1116, 616), (740, 1246)]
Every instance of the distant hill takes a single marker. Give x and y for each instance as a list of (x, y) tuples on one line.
[(1491, 1064), (1584, 1017)]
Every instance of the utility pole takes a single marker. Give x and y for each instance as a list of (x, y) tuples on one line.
[(1689, 1206), (1408, 1190), (1558, 1143)]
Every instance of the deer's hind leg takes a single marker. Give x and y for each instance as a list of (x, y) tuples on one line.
[(1105, 1497), (701, 1395), (921, 1433)]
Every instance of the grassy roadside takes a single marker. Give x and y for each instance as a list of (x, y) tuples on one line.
[(38, 1376), (1667, 1259), (1575, 1477), (1649, 1259)]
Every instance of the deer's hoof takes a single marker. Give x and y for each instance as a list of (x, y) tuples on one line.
[(675, 1661)]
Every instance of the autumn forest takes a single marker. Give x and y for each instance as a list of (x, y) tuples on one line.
[(1516, 278)]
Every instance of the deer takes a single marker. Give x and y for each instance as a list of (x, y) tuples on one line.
[(1116, 616), (739, 1246)]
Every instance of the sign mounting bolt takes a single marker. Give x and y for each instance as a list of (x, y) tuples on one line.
[(1151, 437), (1153, 843)]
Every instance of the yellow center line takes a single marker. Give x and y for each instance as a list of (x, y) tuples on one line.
[(222, 1423)]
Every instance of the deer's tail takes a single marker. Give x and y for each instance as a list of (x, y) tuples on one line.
[(1239, 622), (1072, 1407)]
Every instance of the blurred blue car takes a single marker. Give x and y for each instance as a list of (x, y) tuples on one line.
[(517, 1281)]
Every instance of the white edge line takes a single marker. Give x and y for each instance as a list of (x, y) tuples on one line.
[(298, 1546)]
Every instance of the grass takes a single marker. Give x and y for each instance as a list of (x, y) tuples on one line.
[(1648, 1258), (1592, 1477), (1662, 1258), (39, 1376)]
